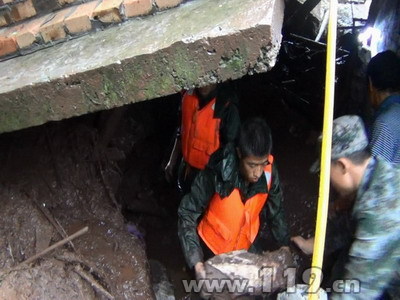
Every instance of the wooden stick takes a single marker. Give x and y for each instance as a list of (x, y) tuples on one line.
[(53, 222), (56, 245), (10, 251), (108, 190), (78, 269)]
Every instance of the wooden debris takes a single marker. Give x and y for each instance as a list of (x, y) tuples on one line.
[(53, 222), (22, 265), (54, 246), (11, 252), (89, 278), (109, 190), (71, 258)]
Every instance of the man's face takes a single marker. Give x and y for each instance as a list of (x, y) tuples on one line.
[(205, 90), (341, 179), (373, 95), (252, 167)]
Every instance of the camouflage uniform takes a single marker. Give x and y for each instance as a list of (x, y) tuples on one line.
[(374, 255)]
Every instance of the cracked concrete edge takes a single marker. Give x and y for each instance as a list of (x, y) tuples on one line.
[(144, 77)]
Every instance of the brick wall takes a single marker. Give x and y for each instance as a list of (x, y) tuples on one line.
[(28, 25)]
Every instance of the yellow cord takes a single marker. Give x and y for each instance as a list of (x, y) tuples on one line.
[(323, 199)]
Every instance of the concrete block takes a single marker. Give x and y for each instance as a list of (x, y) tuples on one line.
[(141, 59), (253, 268)]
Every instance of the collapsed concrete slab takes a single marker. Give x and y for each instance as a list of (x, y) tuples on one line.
[(200, 42)]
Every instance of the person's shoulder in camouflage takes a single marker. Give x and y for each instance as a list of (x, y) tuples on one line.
[(374, 254), (372, 189)]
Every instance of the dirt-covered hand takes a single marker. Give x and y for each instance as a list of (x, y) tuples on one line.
[(200, 270)]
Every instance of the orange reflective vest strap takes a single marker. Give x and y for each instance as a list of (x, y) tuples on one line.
[(229, 224), (199, 131)]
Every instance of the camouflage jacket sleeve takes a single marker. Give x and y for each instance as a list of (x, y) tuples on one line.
[(373, 259), (191, 208), (274, 211), (375, 252)]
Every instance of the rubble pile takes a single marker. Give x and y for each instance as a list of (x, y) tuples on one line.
[(55, 181)]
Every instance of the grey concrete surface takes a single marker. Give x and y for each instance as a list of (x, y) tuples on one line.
[(197, 43)]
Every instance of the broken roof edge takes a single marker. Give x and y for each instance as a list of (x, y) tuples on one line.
[(147, 76)]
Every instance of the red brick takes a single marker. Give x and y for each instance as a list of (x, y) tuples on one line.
[(21, 35), (3, 32), (25, 34), (3, 21), (63, 2), (22, 11), (7, 46), (79, 20), (163, 4), (54, 29), (11, 31), (108, 11), (135, 8)]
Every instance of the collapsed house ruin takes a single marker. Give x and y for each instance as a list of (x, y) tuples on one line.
[(101, 166)]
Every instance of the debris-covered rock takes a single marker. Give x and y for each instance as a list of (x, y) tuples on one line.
[(240, 273)]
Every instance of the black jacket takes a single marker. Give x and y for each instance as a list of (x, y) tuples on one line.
[(222, 176)]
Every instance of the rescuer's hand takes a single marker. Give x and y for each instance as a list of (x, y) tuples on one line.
[(200, 270), (305, 245), (201, 275)]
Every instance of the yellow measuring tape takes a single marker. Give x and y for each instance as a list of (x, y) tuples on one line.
[(323, 199)]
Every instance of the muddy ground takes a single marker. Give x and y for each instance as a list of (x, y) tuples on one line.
[(56, 174), (104, 171)]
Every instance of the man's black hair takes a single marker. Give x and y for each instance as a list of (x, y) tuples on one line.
[(358, 157), (254, 138), (384, 71)]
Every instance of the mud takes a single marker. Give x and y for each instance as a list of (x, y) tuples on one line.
[(58, 168)]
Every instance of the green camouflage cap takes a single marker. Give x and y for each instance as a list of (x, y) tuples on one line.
[(348, 136)]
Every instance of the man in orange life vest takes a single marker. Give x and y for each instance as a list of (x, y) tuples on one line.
[(210, 119), (233, 198)]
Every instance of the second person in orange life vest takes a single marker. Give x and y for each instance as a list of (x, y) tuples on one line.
[(210, 119), (233, 198)]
